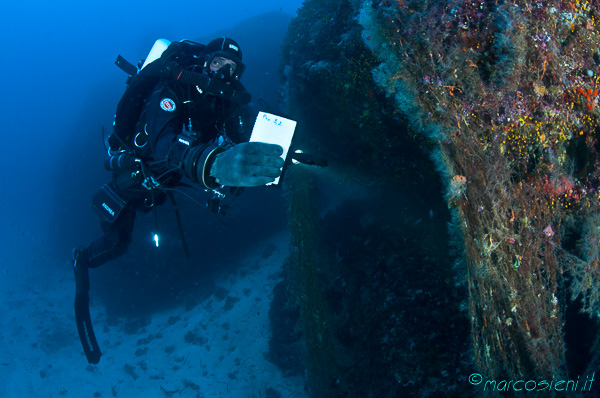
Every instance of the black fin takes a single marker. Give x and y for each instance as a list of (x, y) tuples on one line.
[(82, 316)]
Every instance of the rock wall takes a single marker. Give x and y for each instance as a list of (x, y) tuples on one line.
[(482, 114)]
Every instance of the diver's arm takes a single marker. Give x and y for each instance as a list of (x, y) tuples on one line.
[(240, 95), (247, 164), (239, 123)]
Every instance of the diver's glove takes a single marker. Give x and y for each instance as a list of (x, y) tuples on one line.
[(244, 165), (248, 164)]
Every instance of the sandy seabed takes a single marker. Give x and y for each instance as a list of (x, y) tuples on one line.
[(216, 349)]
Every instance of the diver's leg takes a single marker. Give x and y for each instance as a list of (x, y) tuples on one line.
[(117, 236), (114, 243)]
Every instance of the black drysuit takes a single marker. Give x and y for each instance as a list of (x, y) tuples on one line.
[(173, 115)]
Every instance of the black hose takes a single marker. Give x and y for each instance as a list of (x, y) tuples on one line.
[(218, 87), (194, 79)]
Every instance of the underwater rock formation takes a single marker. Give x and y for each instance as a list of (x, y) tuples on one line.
[(370, 230), (500, 98), (508, 92)]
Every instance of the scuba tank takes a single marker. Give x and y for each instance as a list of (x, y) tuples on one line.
[(156, 51)]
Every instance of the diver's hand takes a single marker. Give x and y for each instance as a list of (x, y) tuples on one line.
[(248, 164), (227, 92), (219, 88)]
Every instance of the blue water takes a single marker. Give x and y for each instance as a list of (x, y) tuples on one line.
[(58, 85), (55, 56)]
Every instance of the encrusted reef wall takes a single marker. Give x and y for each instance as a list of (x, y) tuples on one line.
[(508, 90), (486, 114), (383, 306)]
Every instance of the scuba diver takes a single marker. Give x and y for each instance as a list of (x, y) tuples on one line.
[(183, 121)]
